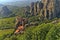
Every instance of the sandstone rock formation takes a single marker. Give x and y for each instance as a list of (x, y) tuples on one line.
[(47, 8)]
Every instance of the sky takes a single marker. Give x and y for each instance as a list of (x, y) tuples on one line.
[(15, 0), (10, 0)]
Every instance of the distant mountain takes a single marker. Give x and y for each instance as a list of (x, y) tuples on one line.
[(4, 11), (19, 3), (13, 8), (1, 5), (10, 11)]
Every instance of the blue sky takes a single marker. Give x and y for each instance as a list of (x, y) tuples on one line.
[(15, 0), (10, 0)]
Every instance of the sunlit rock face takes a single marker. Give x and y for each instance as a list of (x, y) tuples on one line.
[(49, 9), (4, 11)]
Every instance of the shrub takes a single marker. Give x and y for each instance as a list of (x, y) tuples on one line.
[(54, 33)]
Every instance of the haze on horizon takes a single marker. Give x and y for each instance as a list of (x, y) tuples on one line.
[(15, 0)]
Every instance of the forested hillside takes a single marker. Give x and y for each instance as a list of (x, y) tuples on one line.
[(11, 11), (44, 31)]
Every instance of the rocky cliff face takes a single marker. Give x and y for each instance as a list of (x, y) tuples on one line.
[(51, 8), (47, 8)]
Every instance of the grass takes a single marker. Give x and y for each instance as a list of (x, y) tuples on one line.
[(6, 31), (7, 23), (43, 32)]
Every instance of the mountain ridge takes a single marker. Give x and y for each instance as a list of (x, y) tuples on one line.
[(4, 11)]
